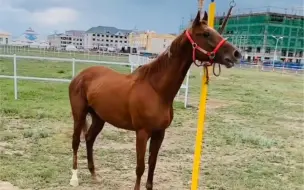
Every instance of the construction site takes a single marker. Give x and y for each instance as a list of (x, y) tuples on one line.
[(266, 33)]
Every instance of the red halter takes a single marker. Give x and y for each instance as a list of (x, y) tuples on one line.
[(211, 55)]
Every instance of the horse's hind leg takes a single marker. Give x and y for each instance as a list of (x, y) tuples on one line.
[(79, 111), (96, 127)]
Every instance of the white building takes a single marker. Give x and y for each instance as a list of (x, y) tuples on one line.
[(150, 41), (73, 38), (158, 45), (104, 36), (5, 38), (30, 39)]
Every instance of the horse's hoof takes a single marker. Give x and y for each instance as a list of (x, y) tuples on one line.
[(74, 182)]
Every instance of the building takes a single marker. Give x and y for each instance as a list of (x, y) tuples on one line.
[(150, 41), (106, 37), (266, 35), (5, 38), (71, 38), (31, 39)]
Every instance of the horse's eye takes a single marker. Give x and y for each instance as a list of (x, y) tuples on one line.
[(206, 34)]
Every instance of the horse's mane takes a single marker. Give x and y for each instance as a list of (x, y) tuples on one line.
[(161, 61)]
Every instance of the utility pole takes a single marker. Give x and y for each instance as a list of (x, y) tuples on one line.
[(275, 50)]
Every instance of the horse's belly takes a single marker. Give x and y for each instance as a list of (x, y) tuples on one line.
[(113, 113)]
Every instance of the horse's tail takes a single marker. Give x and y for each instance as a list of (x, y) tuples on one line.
[(79, 105)]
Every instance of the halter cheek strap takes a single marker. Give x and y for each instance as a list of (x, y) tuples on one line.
[(211, 54)]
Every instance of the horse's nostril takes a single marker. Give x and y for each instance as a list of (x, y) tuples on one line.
[(237, 54)]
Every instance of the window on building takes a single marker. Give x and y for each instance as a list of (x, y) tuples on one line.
[(164, 46), (276, 18), (283, 52), (93, 39), (111, 40), (112, 36), (221, 21), (98, 35), (267, 50), (258, 50), (93, 34), (126, 41), (107, 36)]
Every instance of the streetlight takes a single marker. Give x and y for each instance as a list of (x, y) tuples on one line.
[(275, 50)]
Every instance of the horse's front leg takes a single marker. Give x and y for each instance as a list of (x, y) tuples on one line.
[(142, 137), (157, 138)]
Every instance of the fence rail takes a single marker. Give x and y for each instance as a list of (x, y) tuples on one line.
[(134, 61)]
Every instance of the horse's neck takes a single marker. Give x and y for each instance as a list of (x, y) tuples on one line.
[(171, 69)]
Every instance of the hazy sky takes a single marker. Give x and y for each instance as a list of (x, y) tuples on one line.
[(45, 16)]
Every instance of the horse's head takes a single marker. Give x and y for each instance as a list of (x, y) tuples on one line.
[(209, 45)]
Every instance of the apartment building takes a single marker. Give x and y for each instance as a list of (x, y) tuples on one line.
[(71, 37), (150, 41), (5, 38), (104, 36)]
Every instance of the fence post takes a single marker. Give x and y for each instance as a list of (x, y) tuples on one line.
[(73, 67), (15, 78)]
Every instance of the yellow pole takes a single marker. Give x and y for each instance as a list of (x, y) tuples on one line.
[(211, 19), (201, 115)]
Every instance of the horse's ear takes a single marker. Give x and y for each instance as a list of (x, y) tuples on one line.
[(197, 20), (205, 16)]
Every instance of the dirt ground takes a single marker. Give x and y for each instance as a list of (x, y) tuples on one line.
[(7, 186)]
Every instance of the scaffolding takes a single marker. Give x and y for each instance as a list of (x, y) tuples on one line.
[(266, 33)]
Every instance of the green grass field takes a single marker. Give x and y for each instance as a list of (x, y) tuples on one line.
[(253, 134)]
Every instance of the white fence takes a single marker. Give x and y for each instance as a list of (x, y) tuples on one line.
[(134, 61)]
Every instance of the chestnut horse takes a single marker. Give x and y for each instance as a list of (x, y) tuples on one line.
[(142, 101)]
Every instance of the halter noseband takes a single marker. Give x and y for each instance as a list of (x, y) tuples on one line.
[(211, 54)]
